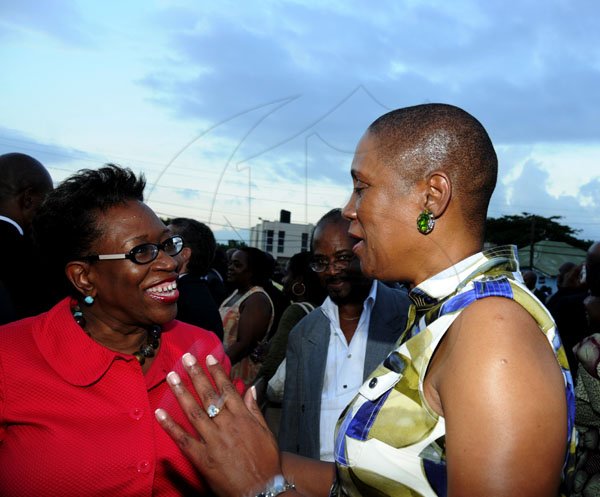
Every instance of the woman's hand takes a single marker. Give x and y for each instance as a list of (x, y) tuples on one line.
[(235, 451)]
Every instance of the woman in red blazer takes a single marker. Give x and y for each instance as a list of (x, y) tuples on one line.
[(79, 383)]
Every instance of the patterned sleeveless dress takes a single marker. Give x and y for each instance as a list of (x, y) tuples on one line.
[(388, 440), (246, 369)]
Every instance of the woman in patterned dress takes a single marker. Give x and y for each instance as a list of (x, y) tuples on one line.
[(476, 399), (248, 312)]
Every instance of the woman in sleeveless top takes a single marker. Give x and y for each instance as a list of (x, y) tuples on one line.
[(248, 312), (476, 399)]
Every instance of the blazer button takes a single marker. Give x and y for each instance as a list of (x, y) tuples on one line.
[(373, 382), (302, 408)]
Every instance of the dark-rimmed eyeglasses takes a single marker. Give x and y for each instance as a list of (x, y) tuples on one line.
[(340, 262), (144, 253)]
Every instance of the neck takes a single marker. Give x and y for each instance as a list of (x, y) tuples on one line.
[(111, 336), (350, 311)]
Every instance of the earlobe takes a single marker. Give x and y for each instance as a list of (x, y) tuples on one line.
[(185, 254), (439, 193), (77, 273)]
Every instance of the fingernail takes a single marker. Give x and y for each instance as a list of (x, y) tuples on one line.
[(173, 378), (210, 360), (188, 360), (253, 391), (160, 414)]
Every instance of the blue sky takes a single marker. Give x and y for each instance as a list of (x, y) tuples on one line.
[(234, 110)]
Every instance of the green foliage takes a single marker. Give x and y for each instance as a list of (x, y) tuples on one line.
[(231, 244), (522, 230)]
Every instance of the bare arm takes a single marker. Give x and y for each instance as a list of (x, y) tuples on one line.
[(503, 398), (255, 316), (312, 478)]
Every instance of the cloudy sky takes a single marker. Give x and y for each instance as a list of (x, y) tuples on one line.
[(235, 110)]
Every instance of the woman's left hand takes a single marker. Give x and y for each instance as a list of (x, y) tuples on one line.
[(235, 451)]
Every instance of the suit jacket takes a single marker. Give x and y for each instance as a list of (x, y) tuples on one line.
[(26, 289), (196, 305), (306, 358)]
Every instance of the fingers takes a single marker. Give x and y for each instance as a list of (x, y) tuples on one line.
[(205, 389), (186, 443), (253, 407)]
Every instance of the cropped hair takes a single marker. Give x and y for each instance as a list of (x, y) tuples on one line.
[(19, 172), (419, 140), (66, 224), (334, 216), (200, 238), (260, 264)]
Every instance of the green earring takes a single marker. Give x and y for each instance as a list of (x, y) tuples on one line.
[(425, 222)]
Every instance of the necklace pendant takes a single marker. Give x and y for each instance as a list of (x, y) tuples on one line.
[(147, 350)]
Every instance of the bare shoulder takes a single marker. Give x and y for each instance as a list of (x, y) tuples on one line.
[(499, 328), (503, 398), (258, 300)]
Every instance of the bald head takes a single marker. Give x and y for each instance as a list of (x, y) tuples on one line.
[(419, 140), (24, 182)]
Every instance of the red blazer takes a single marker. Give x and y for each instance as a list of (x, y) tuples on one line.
[(77, 419)]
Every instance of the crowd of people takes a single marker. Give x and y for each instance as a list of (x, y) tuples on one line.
[(394, 357)]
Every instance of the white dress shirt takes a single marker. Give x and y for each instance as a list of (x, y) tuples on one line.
[(344, 368)]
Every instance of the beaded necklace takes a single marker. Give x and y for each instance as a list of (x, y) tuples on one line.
[(146, 349)]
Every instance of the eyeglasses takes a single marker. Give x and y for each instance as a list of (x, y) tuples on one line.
[(144, 253), (340, 262)]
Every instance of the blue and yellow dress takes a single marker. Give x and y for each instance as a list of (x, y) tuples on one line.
[(388, 440)]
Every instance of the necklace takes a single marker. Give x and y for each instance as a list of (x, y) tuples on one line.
[(146, 349), (350, 319)]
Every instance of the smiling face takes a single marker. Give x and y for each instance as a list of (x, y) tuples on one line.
[(383, 215), (128, 294), (331, 242)]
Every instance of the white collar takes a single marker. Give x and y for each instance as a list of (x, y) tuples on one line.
[(14, 223)]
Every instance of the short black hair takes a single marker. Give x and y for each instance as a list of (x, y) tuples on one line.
[(20, 171), (334, 216), (260, 264), (421, 139), (200, 238), (65, 226)]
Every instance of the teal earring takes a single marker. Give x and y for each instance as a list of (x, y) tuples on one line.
[(89, 300), (425, 222)]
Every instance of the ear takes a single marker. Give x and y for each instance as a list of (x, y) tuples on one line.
[(185, 254), (78, 273), (27, 204), (439, 193)]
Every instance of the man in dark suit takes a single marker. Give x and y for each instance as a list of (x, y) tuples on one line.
[(196, 304), (24, 183), (333, 349)]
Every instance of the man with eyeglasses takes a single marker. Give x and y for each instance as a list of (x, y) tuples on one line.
[(333, 349)]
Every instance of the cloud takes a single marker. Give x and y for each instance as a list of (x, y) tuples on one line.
[(527, 192), (61, 21), (526, 80)]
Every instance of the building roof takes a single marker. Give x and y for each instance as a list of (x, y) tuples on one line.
[(548, 256)]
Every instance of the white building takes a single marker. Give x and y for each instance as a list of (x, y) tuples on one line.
[(281, 239)]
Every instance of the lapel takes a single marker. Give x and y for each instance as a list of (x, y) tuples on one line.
[(315, 348)]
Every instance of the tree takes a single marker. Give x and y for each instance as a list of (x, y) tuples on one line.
[(232, 244), (525, 229)]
